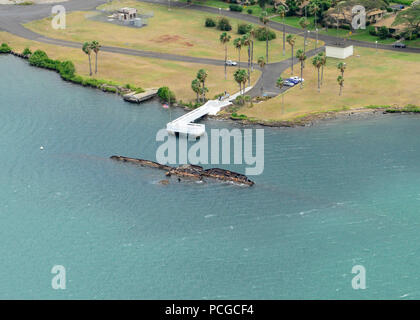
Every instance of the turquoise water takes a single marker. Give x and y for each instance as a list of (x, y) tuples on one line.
[(339, 194)]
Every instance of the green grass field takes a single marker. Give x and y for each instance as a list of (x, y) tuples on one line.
[(371, 78), (177, 31), (139, 71)]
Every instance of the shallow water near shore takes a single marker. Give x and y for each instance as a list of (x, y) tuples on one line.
[(339, 194)]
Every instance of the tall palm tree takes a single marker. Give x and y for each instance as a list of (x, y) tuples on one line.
[(246, 41), (264, 19), (261, 63), (301, 56), (323, 57), (341, 66), (202, 76), (224, 39), (304, 23), (280, 85), (195, 86), (252, 38), (340, 80), (317, 63), (281, 11), (88, 50), (96, 47), (291, 40), (240, 77), (314, 9), (244, 80), (238, 45)]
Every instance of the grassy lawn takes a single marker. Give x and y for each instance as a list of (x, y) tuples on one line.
[(143, 72), (370, 79), (178, 31)]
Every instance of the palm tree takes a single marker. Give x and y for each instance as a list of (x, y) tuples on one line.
[(246, 41), (238, 45), (244, 80), (195, 86), (96, 47), (88, 50), (340, 81), (261, 63), (240, 77), (202, 76), (341, 66), (280, 85), (224, 39), (314, 9), (304, 23), (264, 19), (323, 57), (317, 63), (251, 38), (291, 40), (281, 11), (300, 54)]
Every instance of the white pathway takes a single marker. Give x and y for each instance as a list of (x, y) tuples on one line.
[(184, 124)]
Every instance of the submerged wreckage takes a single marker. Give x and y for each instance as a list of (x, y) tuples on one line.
[(191, 171)]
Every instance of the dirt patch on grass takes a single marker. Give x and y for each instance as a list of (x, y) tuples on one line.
[(166, 38)]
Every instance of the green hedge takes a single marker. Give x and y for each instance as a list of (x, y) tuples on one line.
[(210, 23), (165, 94), (4, 48), (235, 7), (223, 24), (67, 71)]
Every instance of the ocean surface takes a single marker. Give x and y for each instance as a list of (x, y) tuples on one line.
[(332, 196)]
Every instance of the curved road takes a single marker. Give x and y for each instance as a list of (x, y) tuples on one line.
[(12, 18)]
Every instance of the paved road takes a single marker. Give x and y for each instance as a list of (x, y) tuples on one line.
[(12, 18)]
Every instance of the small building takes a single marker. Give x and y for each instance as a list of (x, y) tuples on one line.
[(339, 52), (127, 14)]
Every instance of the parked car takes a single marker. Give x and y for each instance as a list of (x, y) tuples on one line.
[(399, 45), (295, 80), (231, 63), (288, 83)]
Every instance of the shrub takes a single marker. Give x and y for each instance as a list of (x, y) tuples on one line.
[(67, 69), (38, 58), (223, 24), (236, 116), (235, 7), (27, 52), (76, 79), (372, 31), (210, 23), (383, 33), (165, 94), (249, 11), (244, 28), (109, 89), (4, 48), (262, 33)]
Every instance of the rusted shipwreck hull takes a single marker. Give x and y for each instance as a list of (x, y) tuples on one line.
[(191, 171)]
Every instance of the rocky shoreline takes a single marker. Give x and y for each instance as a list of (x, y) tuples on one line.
[(190, 171), (312, 119)]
